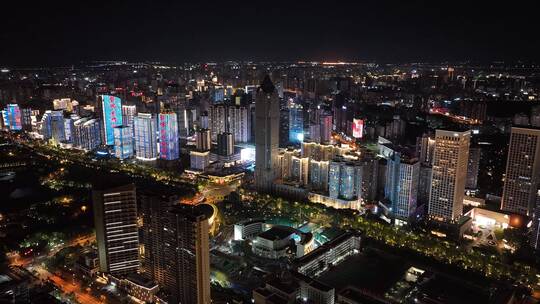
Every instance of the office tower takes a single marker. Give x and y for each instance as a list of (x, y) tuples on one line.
[(112, 117), (326, 128), (341, 180), (186, 255), (14, 117), (204, 142), (522, 171), (225, 145), (401, 186), (449, 175), (168, 136), (117, 236), (266, 134), (123, 142), (145, 133), (183, 121), (473, 167), (296, 123), (155, 205)]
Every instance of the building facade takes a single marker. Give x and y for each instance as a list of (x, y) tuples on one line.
[(449, 174)]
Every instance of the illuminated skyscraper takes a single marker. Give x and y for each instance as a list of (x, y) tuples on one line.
[(117, 235), (52, 126), (401, 186), (145, 136), (238, 123), (186, 255), (123, 142), (449, 174), (168, 136), (296, 123), (128, 114), (14, 117), (266, 135), (112, 117), (522, 171), (86, 134)]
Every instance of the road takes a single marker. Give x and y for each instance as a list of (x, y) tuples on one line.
[(68, 287)]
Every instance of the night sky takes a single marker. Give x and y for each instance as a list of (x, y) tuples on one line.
[(58, 32)]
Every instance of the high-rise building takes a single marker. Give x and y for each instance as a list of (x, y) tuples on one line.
[(230, 118), (238, 123), (401, 186), (266, 134), (225, 144), (14, 117), (52, 126), (155, 206), (168, 136), (449, 174), (522, 171), (473, 167), (123, 142), (117, 235), (128, 114), (112, 117), (145, 133), (186, 255), (326, 128), (425, 146), (296, 123), (204, 142), (26, 114), (86, 134)]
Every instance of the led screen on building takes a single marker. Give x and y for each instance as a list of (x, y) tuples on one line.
[(358, 128), (112, 116)]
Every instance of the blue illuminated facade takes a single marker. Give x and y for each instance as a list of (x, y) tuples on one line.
[(112, 116), (145, 133), (123, 142), (168, 136), (296, 124)]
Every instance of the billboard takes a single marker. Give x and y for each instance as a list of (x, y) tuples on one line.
[(112, 116), (358, 128)]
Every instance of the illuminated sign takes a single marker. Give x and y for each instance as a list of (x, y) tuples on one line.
[(112, 116), (358, 128)]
